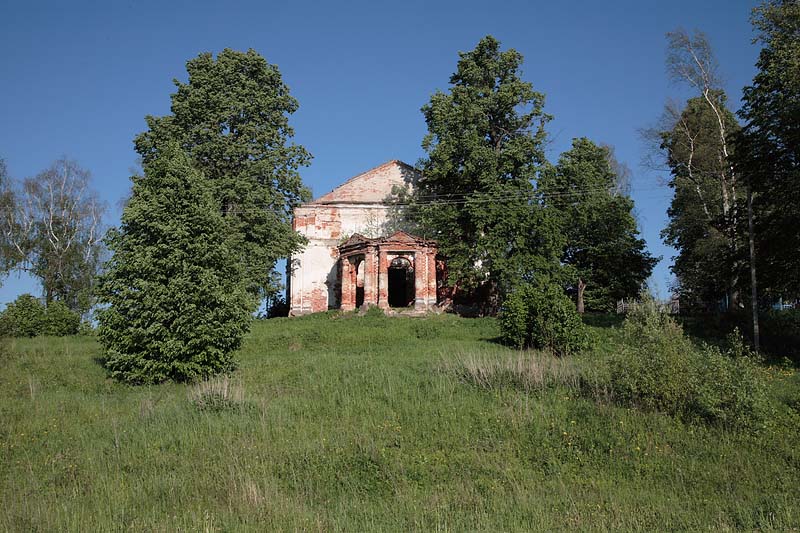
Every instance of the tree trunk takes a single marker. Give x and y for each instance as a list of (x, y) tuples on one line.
[(753, 290), (581, 289)]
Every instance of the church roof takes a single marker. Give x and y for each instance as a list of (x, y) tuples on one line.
[(373, 186)]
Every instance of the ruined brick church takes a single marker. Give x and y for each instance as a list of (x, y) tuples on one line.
[(352, 259)]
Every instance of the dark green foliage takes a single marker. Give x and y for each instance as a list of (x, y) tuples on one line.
[(426, 329), (177, 308), (542, 317), (780, 333), (608, 259), (484, 147), (768, 150), (710, 262), (24, 317), (232, 118), (28, 317), (276, 307), (374, 312), (660, 369), (60, 320)]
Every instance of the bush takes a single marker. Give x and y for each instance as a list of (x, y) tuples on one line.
[(24, 317), (660, 369), (60, 320), (542, 317), (426, 328), (731, 389), (277, 307)]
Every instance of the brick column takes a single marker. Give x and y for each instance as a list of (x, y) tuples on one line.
[(431, 256), (383, 280), (348, 287), (370, 277), (420, 280)]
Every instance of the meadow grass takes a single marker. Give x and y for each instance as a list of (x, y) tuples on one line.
[(346, 423)]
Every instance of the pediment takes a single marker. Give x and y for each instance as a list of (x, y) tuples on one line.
[(373, 186), (402, 236), (354, 240)]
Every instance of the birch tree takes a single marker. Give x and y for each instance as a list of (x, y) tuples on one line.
[(704, 218), (52, 229)]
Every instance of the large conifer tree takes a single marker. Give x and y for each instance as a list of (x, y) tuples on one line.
[(176, 303)]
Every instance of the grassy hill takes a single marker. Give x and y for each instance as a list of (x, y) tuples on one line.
[(367, 424)]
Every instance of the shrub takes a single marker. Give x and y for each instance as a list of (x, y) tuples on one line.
[(373, 312), (660, 369), (731, 391), (60, 320), (542, 317), (277, 307), (780, 333), (24, 317), (86, 329), (653, 371)]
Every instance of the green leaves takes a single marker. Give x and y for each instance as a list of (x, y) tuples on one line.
[(484, 147), (602, 245), (768, 149), (232, 118), (542, 317), (177, 305)]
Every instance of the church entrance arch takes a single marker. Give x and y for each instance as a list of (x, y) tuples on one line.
[(401, 283)]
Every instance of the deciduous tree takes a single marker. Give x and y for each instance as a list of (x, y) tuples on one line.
[(9, 258), (709, 261), (608, 259), (52, 229), (484, 148), (232, 118), (705, 221), (768, 149)]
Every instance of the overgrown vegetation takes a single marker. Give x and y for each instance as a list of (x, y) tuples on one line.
[(28, 317), (659, 368), (542, 317), (363, 423)]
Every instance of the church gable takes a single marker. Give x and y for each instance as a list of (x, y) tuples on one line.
[(372, 186)]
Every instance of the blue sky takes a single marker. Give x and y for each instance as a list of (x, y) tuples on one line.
[(77, 78)]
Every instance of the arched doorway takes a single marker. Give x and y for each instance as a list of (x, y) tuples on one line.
[(401, 283)]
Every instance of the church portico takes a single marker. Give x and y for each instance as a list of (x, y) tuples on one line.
[(399, 272)]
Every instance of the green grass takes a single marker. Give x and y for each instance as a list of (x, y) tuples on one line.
[(345, 423)]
